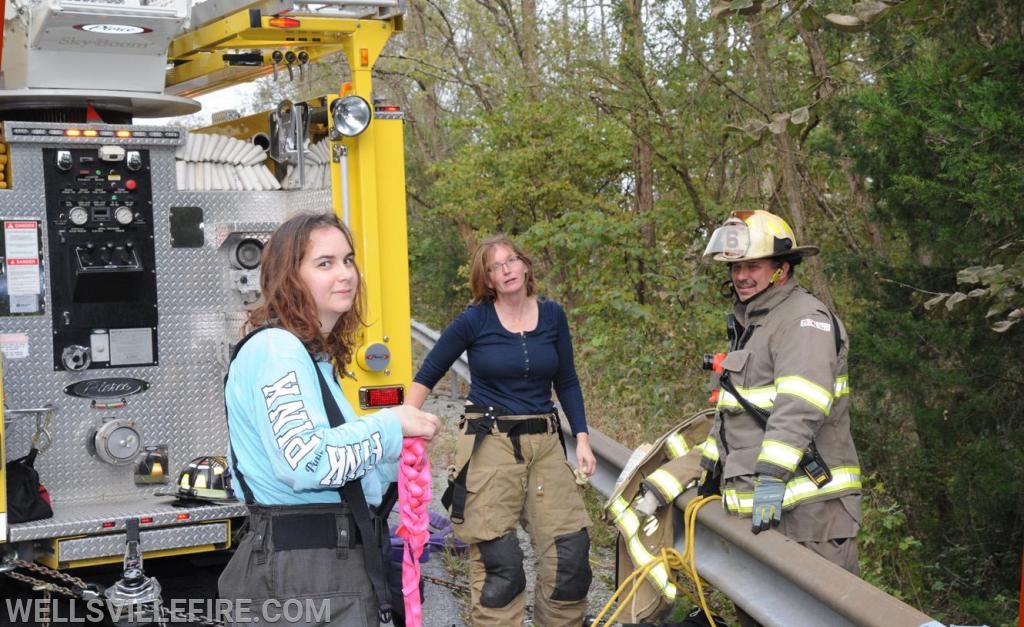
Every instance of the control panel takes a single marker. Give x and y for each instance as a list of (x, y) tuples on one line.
[(99, 210)]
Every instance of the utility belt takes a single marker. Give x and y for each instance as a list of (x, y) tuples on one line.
[(521, 425), (504, 415), (475, 418), (314, 526), (489, 420), (484, 420)]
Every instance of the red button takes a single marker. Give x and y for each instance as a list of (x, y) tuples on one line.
[(130, 184)]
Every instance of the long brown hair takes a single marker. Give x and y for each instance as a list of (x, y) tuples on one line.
[(286, 301), (483, 255)]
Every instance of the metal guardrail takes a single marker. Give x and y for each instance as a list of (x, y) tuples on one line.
[(774, 579), (427, 337)]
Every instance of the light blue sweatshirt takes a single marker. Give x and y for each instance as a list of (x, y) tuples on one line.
[(283, 443)]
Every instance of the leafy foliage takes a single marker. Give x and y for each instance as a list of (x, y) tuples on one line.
[(889, 557), (939, 145), (999, 285)]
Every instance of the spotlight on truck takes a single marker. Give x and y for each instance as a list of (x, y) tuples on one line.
[(350, 115)]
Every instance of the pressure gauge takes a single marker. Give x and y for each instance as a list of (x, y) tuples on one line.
[(124, 215), (78, 216)]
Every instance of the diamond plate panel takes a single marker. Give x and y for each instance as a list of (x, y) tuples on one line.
[(150, 540), (199, 314)]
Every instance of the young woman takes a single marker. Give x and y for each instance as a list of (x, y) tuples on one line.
[(304, 542), (519, 348)]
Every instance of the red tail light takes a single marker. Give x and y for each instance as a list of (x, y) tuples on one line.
[(390, 396)]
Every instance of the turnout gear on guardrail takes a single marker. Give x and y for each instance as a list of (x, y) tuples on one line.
[(658, 472), (783, 410)]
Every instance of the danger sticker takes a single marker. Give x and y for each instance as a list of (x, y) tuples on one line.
[(14, 345)]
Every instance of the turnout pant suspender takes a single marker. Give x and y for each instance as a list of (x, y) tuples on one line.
[(352, 492), (454, 498)]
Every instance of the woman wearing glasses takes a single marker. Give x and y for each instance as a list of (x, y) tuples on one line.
[(510, 466)]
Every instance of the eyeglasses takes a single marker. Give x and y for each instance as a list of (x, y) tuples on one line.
[(512, 262)]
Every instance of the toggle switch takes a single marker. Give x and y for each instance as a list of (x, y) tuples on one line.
[(276, 57), (289, 59)]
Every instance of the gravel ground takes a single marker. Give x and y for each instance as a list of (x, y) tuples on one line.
[(443, 607)]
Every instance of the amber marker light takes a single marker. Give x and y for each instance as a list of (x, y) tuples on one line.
[(284, 22), (124, 134)]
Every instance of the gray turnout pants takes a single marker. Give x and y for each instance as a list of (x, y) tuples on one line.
[(298, 565)]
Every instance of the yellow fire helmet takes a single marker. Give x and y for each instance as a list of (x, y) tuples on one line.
[(750, 235), (206, 478)]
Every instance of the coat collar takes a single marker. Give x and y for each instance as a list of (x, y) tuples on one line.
[(759, 306)]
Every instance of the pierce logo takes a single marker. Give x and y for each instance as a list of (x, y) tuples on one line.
[(114, 387), (376, 357), (113, 29)]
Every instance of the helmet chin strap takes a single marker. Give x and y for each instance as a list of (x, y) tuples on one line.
[(775, 276)]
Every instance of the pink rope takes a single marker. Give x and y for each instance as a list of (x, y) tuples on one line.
[(413, 504)]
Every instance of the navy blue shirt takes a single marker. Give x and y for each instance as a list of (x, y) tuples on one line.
[(515, 371)]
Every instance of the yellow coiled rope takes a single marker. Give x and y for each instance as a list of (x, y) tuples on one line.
[(684, 564)]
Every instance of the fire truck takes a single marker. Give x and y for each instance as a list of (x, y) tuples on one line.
[(130, 253)]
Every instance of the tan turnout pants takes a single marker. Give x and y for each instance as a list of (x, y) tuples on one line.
[(540, 493)]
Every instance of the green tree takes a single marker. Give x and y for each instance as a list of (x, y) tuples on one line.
[(939, 142)]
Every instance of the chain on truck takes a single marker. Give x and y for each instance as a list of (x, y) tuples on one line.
[(129, 255)]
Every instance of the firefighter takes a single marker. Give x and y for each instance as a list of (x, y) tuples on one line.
[(510, 465), (780, 450), (306, 541)]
